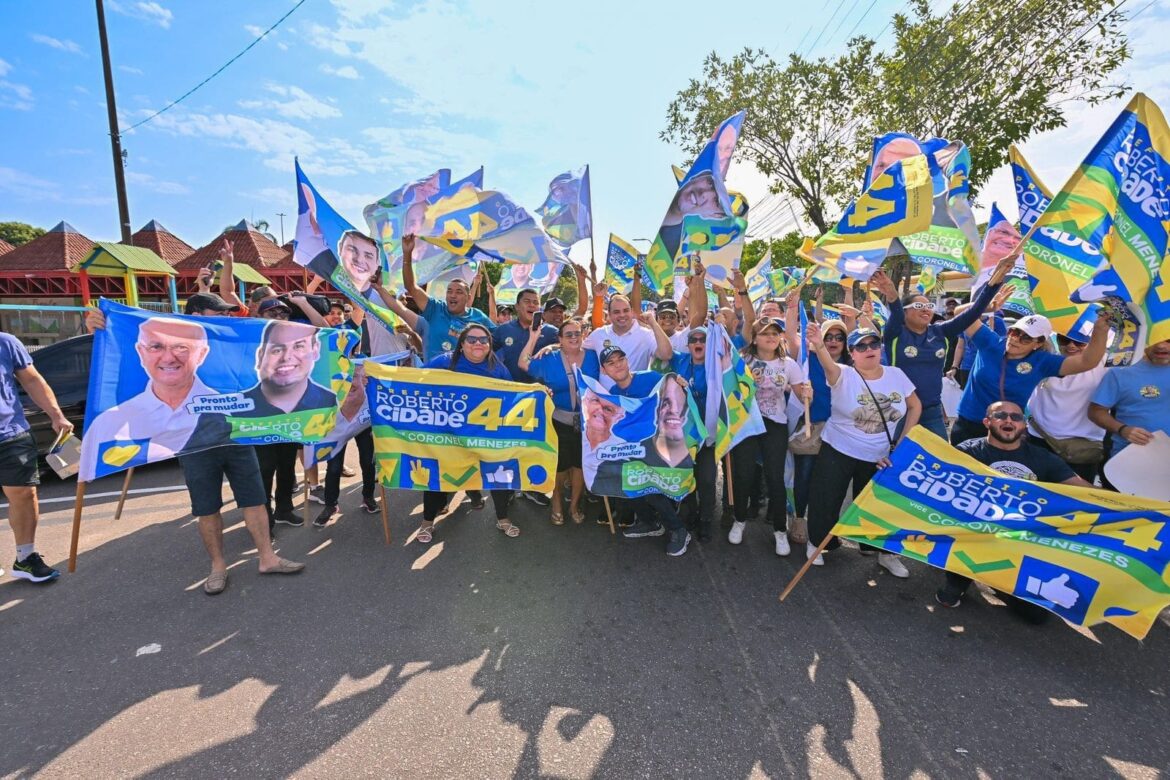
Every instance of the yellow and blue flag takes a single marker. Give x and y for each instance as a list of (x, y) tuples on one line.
[(447, 431), (759, 279), (732, 414), (1000, 240), (1118, 202), (620, 260), (1089, 555), (567, 211), (836, 259)]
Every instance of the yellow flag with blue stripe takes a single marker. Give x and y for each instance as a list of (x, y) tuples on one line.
[(1089, 555), (447, 431)]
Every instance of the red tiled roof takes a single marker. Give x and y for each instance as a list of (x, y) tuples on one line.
[(58, 250), (5, 247), (162, 242), (249, 246)]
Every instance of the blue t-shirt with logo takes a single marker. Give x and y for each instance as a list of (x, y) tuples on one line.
[(996, 323), (1139, 396), (1019, 377), (509, 339), (465, 366), (642, 384), (695, 376), (13, 358), (443, 327)]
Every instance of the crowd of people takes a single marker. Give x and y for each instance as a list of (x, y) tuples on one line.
[(1035, 404)]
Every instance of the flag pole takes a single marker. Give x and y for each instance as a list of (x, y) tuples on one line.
[(592, 252), (609, 514), (807, 565)]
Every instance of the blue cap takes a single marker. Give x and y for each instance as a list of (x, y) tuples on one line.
[(610, 351), (860, 335)]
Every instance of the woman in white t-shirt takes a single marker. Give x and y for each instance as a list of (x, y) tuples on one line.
[(776, 375), (868, 402), (1060, 407)]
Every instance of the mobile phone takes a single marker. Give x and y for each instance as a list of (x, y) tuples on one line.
[(537, 319)]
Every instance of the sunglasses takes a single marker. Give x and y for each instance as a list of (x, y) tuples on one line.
[(1013, 416), (918, 306), (480, 340), (1024, 337), (572, 335), (867, 346), (834, 337), (697, 340)]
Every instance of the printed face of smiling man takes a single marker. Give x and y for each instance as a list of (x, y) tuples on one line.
[(359, 256), (171, 351), (286, 358)]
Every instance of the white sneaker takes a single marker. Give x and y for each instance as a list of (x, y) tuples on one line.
[(782, 546), (735, 535), (810, 550), (893, 565)]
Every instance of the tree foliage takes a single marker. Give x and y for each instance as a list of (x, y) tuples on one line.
[(17, 233), (983, 72)]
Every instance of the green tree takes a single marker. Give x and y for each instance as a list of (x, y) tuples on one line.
[(17, 233), (983, 72)]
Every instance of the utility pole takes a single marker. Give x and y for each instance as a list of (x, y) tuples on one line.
[(282, 215), (115, 137)]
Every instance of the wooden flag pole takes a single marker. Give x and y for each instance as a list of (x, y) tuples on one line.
[(807, 422), (609, 514), (305, 510), (385, 515), (727, 478), (76, 527), (125, 489), (807, 565)]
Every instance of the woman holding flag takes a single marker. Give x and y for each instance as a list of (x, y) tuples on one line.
[(472, 355), (555, 369), (869, 400)]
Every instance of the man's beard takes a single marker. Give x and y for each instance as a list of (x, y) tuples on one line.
[(998, 436)]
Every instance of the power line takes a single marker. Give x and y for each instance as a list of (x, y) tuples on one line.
[(220, 70), (813, 47)]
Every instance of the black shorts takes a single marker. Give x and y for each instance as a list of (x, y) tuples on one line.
[(569, 448), (18, 462), (204, 471)]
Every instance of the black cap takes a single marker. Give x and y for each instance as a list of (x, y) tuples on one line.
[(610, 351), (205, 301), (553, 303), (667, 306), (271, 303)]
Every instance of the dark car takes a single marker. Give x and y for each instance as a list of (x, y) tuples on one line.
[(65, 366)]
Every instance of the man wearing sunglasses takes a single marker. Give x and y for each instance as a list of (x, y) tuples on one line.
[(1006, 449)]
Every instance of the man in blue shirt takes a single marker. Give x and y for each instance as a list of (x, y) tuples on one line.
[(19, 472), (445, 319), (509, 339), (1133, 402)]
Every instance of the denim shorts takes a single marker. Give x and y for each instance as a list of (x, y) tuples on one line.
[(18, 462), (204, 471)]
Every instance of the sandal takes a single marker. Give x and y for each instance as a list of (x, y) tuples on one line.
[(578, 516), (423, 534), (477, 503), (216, 583), (557, 518), (508, 529)]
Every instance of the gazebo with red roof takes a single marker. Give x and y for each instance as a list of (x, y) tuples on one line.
[(252, 248), (5, 247), (162, 242)]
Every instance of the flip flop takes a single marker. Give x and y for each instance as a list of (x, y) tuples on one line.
[(285, 566), (216, 583), (424, 535), (509, 530), (578, 516)]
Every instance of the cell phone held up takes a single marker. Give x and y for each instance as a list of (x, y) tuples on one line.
[(537, 319)]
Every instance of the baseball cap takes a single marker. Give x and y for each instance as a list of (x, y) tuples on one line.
[(553, 303), (667, 306), (767, 322), (1035, 325), (610, 351), (860, 335), (205, 301), (271, 303)]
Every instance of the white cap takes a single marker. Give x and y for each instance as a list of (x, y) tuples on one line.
[(1035, 325)]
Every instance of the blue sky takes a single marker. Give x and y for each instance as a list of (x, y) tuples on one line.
[(373, 94)]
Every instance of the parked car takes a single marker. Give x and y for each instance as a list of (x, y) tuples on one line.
[(65, 366)]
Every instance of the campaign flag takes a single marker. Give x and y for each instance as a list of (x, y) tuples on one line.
[(566, 213), (620, 260), (739, 203), (464, 272), (447, 431), (337, 251), (718, 242), (759, 279), (541, 277), (1057, 263), (636, 446), (1089, 555), (702, 195), (731, 414), (353, 415), (787, 279), (834, 261), (1000, 241), (1118, 202), (927, 279), (164, 384), (405, 211)]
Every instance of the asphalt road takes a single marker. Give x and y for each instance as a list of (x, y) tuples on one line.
[(565, 652)]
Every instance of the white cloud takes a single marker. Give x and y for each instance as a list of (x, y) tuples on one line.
[(26, 187), (130, 69), (4, 68), (61, 44), (18, 97), (148, 182), (277, 141), (345, 71), (293, 103), (256, 31), (147, 11)]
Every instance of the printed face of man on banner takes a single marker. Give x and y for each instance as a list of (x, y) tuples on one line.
[(600, 417), (359, 258), (171, 352), (284, 367), (670, 440)]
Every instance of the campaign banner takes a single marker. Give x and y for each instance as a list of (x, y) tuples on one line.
[(620, 260), (165, 384), (566, 213), (447, 431), (1089, 555), (636, 446), (541, 277), (732, 414), (999, 241)]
